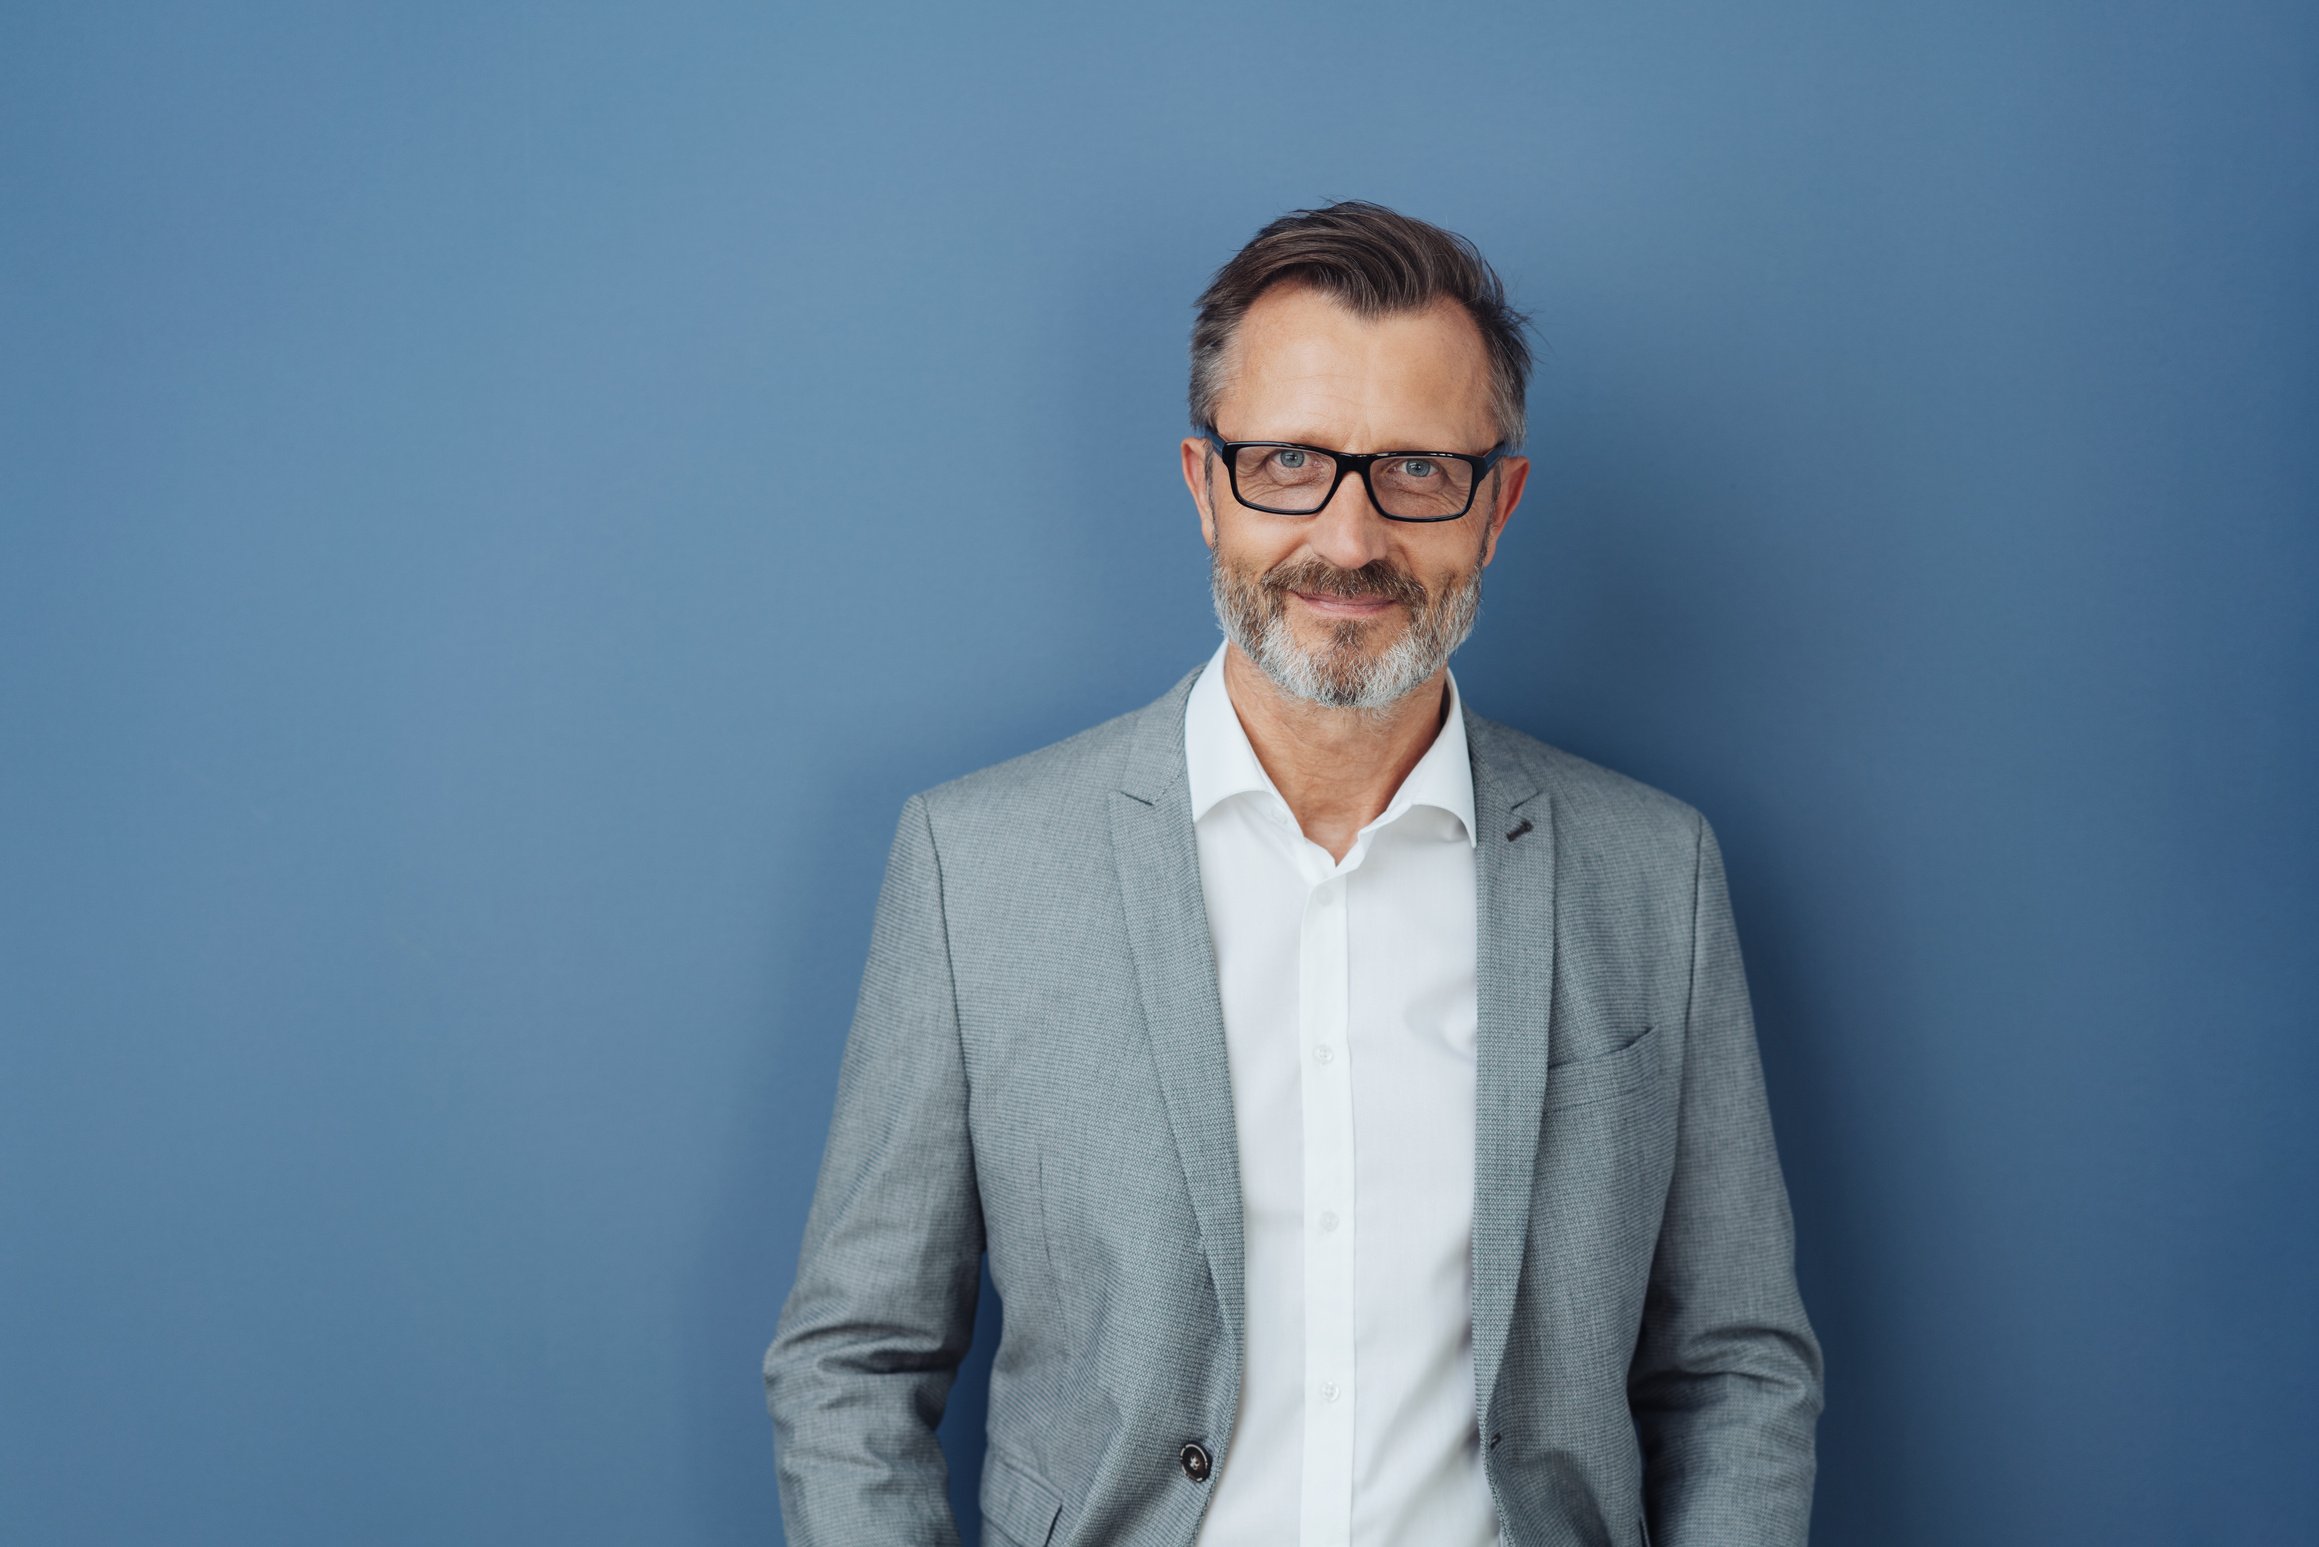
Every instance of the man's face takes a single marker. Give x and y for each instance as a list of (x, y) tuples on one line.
[(1347, 608)]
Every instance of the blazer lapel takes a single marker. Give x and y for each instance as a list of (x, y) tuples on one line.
[(1175, 968), (1514, 875)]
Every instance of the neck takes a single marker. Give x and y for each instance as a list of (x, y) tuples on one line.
[(1336, 768)]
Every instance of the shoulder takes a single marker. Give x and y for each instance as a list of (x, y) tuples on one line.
[(1595, 808), (1056, 790)]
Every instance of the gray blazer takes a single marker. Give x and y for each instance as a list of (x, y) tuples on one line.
[(1036, 1070)]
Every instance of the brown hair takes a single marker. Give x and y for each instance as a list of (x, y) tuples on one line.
[(1375, 261)]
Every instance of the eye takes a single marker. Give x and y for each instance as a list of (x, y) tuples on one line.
[(1288, 459), (1418, 468)]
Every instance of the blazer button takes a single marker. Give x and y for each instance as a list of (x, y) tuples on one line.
[(1195, 1461)]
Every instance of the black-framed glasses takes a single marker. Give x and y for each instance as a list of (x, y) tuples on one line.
[(1284, 478)]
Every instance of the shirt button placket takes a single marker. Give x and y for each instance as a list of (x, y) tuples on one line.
[(1325, 1514)]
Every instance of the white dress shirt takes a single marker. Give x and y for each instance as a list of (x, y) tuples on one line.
[(1349, 1019)]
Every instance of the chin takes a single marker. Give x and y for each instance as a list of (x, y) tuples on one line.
[(1364, 638)]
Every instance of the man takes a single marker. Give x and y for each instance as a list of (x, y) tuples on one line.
[(1357, 1099)]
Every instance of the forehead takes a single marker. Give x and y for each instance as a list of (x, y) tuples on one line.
[(1309, 367)]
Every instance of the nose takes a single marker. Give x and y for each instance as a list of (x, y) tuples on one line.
[(1349, 532)]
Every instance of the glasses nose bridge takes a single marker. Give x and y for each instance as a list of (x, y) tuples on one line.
[(1350, 534), (1353, 467)]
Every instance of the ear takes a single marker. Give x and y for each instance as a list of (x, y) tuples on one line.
[(1199, 464), (1508, 479)]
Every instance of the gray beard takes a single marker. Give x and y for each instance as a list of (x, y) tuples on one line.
[(1341, 675)]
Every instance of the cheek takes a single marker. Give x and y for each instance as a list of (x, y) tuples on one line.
[(1441, 566), (1255, 546), (1445, 593)]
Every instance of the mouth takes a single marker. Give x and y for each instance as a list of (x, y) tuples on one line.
[(1345, 606)]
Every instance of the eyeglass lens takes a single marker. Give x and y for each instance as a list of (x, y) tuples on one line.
[(1295, 481)]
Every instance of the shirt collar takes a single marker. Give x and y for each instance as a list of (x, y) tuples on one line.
[(1219, 763)]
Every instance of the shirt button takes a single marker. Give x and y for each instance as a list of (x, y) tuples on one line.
[(1328, 1219), (1329, 1392), (1325, 1053), (1195, 1461)]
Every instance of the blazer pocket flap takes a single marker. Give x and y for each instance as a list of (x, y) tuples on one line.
[(1017, 1500), (1606, 1075)]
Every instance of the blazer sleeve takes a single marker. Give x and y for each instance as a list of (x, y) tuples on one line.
[(882, 1312), (1726, 1380)]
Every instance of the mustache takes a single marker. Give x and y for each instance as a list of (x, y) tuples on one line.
[(1377, 580)]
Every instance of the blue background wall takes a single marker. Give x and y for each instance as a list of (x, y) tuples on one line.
[(502, 504)]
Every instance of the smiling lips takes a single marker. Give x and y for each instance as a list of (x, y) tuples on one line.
[(1345, 606)]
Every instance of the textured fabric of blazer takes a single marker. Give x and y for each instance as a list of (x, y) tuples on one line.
[(1036, 1069)]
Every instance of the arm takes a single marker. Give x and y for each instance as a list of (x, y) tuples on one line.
[(883, 1308), (1725, 1384)]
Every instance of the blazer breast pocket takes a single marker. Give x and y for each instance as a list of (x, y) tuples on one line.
[(1605, 1075)]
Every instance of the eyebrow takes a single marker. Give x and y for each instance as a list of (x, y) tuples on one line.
[(1317, 443)]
